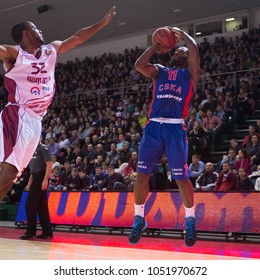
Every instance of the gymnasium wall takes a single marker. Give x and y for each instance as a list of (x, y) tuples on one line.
[(215, 212), (140, 39)]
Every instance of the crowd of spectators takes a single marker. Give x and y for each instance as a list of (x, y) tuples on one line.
[(94, 125)]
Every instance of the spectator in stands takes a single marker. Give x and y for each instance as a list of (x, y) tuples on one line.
[(252, 87), (97, 162), (142, 118), (76, 153), (212, 125), (132, 163), (243, 161), (196, 168), (125, 152), (132, 130), (49, 133), (233, 143), (248, 138), (84, 149), (242, 104), (191, 121), (57, 129), (252, 105), (98, 180), (90, 156), (220, 113), (197, 138), (121, 140), (55, 179), (72, 183), (69, 155), (231, 158), (230, 107), (105, 139), (85, 181), (122, 165), (134, 143), (64, 174), (54, 148), (109, 183), (100, 152), (253, 150), (207, 180), (95, 141), (226, 180), (200, 115), (74, 139), (63, 141), (210, 104), (113, 155), (104, 167), (221, 101), (196, 101), (130, 181), (228, 87), (55, 161), (87, 130), (79, 163), (219, 87), (244, 183)]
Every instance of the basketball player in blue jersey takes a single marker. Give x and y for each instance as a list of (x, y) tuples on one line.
[(165, 132)]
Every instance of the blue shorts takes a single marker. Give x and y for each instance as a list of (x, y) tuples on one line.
[(168, 139)]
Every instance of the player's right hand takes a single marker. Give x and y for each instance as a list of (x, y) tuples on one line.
[(110, 14)]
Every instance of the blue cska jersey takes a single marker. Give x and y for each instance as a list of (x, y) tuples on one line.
[(172, 92)]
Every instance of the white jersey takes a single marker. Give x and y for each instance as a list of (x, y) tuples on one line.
[(30, 83)]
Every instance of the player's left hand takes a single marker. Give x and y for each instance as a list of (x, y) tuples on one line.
[(109, 15)]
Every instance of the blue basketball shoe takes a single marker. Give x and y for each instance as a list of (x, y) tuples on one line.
[(139, 226), (191, 233)]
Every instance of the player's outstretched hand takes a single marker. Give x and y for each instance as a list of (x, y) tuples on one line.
[(110, 14)]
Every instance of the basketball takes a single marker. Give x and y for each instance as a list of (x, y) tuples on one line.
[(164, 37)]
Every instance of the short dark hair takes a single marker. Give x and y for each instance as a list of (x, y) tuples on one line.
[(17, 31)]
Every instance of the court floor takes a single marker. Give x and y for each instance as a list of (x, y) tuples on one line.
[(85, 246)]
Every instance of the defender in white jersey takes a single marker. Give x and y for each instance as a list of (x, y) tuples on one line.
[(30, 83)]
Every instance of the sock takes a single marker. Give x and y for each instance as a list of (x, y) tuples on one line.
[(189, 212), (139, 210)]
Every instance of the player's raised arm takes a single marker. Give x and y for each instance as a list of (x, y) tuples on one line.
[(143, 65), (193, 57), (83, 34)]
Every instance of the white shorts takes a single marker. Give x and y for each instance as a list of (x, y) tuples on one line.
[(20, 133)]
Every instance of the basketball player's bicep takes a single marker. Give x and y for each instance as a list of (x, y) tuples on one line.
[(68, 44), (148, 70), (8, 52), (2, 52)]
